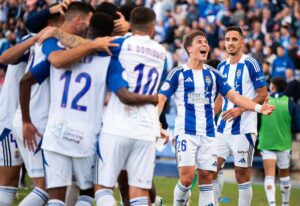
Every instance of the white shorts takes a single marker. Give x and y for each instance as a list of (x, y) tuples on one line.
[(33, 160), (59, 170), (282, 157), (9, 151), (194, 150), (118, 153), (240, 146)]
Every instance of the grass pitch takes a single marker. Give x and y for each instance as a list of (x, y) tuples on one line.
[(165, 187)]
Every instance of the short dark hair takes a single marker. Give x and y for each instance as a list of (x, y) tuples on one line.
[(76, 8), (101, 25), (279, 83), (235, 28), (188, 39), (109, 9), (142, 19), (126, 10)]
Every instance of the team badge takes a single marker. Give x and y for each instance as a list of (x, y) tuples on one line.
[(238, 73), (17, 154), (207, 80), (165, 86)]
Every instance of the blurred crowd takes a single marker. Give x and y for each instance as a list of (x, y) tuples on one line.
[(271, 28)]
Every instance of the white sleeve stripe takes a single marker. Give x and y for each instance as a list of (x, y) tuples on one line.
[(172, 72), (254, 63), (215, 70)]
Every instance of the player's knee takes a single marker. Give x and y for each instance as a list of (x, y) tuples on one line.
[(186, 179), (242, 175), (205, 177)]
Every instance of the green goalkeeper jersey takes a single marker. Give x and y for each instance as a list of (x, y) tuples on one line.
[(275, 132)]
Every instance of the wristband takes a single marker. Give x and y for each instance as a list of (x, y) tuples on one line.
[(258, 108)]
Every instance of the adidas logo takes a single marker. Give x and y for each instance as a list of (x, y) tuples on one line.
[(242, 160), (189, 79), (214, 164)]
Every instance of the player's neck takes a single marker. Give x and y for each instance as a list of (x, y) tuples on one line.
[(67, 28), (236, 58), (139, 33), (194, 64)]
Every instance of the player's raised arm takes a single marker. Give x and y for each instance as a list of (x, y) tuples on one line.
[(62, 58), (13, 54), (36, 74)]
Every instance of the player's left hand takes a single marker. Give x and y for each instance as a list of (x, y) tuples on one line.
[(164, 134), (103, 44), (232, 113), (46, 33), (121, 26), (267, 109), (29, 133)]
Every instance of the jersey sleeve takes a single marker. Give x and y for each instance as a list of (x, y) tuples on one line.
[(222, 86), (25, 56), (51, 45), (41, 71), (116, 76), (114, 50), (256, 75), (170, 85)]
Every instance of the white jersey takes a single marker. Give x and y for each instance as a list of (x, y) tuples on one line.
[(244, 77), (77, 97), (143, 60), (194, 93), (9, 95), (40, 93)]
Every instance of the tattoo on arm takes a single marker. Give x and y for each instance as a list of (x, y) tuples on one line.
[(68, 40)]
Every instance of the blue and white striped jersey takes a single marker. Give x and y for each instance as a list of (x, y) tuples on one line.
[(194, 93), (245, 77)]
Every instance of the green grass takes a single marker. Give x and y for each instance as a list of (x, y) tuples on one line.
[(165, 187)]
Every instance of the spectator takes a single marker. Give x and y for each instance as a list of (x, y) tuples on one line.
[(294, 51), (282, 65), (257, 51)]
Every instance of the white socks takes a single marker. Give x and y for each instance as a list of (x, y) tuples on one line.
[(216, 191), (206, 194), (105, 197), (7, 195), (181, 194), (221, 182), (84, 200), (37, 197), (245, 194), (139, 201), (55, 202), (270, 189), (285, 187)]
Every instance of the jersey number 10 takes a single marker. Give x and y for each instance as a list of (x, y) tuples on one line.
[(152, 72)]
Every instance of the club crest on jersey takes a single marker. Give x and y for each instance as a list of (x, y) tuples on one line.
[(238, 73), (165, 86), (207, 80)]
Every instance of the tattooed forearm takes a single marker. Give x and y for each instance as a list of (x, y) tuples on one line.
[(68, 40)]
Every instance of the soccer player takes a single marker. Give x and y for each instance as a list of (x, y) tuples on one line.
[(131, 131), (194, 86), (275, 141), (10, 159), (237, 128), (75, 111)]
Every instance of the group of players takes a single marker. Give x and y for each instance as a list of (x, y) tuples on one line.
[(55, 122)]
